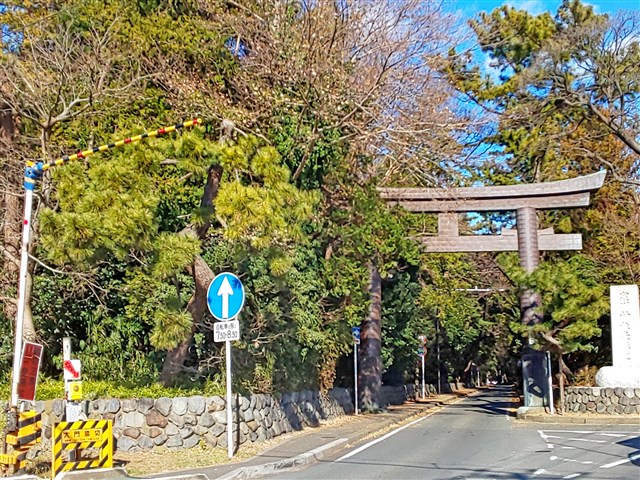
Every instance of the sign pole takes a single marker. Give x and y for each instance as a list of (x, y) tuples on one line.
[(22, 292), (550, 380), (355, 376), (225, 299), (229, 401), (438, 354), (355, 334), (422, 351), (423, 396)]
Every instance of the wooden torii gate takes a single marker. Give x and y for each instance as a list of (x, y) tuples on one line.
[(527, 240), (524, 199)]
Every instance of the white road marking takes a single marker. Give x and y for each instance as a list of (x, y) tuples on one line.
[(587, 440), (393, 432), (624, 434), (573, 475), (540, 471), (569, 460), (620, 462), (550, 445), (573, 431), (617, 435), (568, 448)]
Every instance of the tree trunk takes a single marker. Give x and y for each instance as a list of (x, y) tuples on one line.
[(12, 227), (370, 373), (530, 306), (11, 243), (12, 216), (197, 307), (202, 275)]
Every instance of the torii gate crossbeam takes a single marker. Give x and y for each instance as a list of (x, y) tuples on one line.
[(524, 199)]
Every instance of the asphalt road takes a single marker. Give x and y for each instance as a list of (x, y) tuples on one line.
[(478, 438)]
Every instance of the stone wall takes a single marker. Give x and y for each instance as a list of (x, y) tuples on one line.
[(184, 422), (408, 393), (398, 395), (604, 400)]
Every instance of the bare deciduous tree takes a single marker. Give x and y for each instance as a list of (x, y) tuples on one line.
[(368, 69), (52, 71)]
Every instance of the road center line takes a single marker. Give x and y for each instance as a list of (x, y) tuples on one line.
[(378, 440), (390, 434)]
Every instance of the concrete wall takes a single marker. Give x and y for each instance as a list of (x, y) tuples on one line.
[(606, 401)]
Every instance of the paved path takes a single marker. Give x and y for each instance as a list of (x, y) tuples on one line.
[(478, 438)]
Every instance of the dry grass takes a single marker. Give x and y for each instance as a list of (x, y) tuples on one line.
[(163, 460)]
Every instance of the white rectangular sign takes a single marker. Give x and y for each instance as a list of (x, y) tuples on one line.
[(226, 331), (625, 326)]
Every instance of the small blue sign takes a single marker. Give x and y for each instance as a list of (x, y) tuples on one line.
[(225, 296), (355, 333)]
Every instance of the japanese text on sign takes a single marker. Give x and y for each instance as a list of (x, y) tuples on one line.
[(226, 331), (83, 435), (29, 367)]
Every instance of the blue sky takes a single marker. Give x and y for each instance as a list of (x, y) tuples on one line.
[(471, 7)]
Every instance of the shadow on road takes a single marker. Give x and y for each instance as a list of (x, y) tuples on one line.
[(634, 457), (498, 400)]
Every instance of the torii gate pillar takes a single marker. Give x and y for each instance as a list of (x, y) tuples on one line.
[(528, 241)]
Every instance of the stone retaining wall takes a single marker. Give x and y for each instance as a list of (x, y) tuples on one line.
[(184, 422), (604, 400), (408, 393)]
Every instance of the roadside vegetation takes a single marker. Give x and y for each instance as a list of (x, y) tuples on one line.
[(307, 108)]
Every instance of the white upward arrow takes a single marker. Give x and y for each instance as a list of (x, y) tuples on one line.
[(224, 291)]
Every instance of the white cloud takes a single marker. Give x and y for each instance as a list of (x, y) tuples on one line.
[(596, 8), (534, 7)]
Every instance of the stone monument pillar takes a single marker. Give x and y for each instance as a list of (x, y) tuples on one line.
[(625, 340)]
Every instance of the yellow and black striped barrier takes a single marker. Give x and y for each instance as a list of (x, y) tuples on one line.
[(70, 438), (29, 433)]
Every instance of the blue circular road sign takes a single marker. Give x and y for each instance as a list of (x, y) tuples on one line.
[(225, 296), (355, 333)]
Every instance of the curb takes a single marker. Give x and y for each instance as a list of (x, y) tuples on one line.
[(89, 474), (93, 474), (560, 419), (287, 464), (23, 477), (187, 476)]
